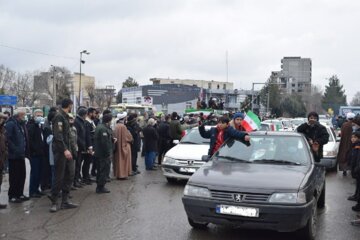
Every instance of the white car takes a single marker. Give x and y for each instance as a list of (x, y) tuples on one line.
[(181, 161), (330, 150)]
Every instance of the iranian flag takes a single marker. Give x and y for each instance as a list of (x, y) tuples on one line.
[(251, 122)]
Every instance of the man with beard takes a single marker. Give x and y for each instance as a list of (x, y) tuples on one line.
[(81, 142), (64, 163), (3, 150), (316, 134), (134, 129)]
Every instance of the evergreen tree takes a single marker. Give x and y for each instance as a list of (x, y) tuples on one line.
[(130, 82), (334, 95)]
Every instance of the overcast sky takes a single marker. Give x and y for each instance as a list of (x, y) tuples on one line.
[(183, 38)]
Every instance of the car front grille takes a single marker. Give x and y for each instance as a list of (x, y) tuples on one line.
[(245, 197)]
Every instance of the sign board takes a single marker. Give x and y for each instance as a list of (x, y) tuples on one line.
[(147, 100), (8, 100), (346, 109)]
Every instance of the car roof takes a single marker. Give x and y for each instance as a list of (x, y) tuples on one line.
[(274, 133)]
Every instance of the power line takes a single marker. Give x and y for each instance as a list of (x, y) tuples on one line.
[(36, 52)]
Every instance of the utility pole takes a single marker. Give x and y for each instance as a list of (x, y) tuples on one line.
[(54, 89), (81, 62)]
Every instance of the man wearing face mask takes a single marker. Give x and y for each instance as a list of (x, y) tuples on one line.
[(344, 153), (316, 134), (64, 164), (18, 144), (3, 149), (37, 151)]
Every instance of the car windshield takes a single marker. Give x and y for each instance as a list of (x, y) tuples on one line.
[(289, 150), (193, 137)]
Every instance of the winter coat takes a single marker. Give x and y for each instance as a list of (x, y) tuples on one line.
[(151, 137), (17, 138), (316, 133), (355, 160), (134, 129), (81, 133), (345, 146), (36, 139), (3, 147)]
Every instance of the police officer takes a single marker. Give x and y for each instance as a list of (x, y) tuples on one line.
[(103, 146), (64, 163)]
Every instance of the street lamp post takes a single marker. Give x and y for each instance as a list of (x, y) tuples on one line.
[(81, 62), (54, 91)]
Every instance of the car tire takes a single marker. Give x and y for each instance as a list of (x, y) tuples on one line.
[(321, 200), (335, 168), (197, 225), (309, 231), (171, 180)]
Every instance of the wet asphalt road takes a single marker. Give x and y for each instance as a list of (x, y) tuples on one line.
[(147, 207)]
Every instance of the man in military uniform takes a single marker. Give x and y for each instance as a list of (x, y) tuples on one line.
[(64, 163), (103, 143)]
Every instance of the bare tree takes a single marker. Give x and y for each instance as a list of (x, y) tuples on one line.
[(356, 100), (22, 87), (90, 89), (104, 96), (312, 98), (6, 77)]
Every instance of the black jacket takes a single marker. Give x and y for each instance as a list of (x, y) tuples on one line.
[(16, 134), (37, 141), (316, 133), (81, 133), (164, 131), (134, 129), (150, 139), (90, 132)]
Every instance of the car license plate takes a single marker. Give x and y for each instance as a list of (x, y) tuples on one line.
[(187, 170), (238, 211)]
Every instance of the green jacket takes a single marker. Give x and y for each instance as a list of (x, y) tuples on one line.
[(175, 130), (61, 132), (103, 141)]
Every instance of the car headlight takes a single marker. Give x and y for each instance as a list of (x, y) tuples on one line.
[(196, 191), (170, 161), (299, 198), (330, 153)]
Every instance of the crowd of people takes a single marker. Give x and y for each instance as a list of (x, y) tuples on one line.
[(67, 152)]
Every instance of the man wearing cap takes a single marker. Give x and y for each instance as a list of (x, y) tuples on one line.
[(18, 149), (316, 134), (3, 150), (103, 147), (236, 121), (64, 163), (345, 143), (122, 155), (37, 151)]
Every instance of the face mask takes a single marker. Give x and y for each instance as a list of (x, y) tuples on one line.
[(355, 128), (39, 120)]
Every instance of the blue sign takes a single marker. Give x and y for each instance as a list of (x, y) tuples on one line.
[(8, 100)]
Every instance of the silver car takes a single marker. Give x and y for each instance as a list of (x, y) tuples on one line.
[(181, 161), (331, 149)]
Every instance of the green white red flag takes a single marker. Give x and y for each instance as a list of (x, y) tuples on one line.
[(251, 122)]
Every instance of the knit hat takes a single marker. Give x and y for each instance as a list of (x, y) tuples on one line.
[(238, 115)]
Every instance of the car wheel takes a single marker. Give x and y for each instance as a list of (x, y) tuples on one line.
[(335, 168), (197, 225), (321, 200), (309, 231), (171, 180)]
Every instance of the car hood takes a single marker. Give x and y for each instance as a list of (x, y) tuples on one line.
[(235, 176), (188, 151), (331, 146)]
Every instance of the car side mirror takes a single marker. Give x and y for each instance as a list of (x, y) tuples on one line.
[(176, 142), (205, 158)]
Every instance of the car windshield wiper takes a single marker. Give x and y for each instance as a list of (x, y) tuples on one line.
[(276, 161), (189, 142), (234, 159)]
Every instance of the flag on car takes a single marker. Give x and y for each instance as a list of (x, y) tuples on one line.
[(251, 122)]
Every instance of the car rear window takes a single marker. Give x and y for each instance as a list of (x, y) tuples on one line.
[(291, 149), (193, 136)]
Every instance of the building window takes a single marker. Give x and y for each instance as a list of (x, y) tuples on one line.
[(138, 100), (209, 85), (124, 100), (224, 87), (218, 86), (188, 105)]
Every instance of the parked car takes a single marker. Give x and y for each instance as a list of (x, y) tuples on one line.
[(277, 123), (181, 161), (297, 122), (272, 184), (331, 150)]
